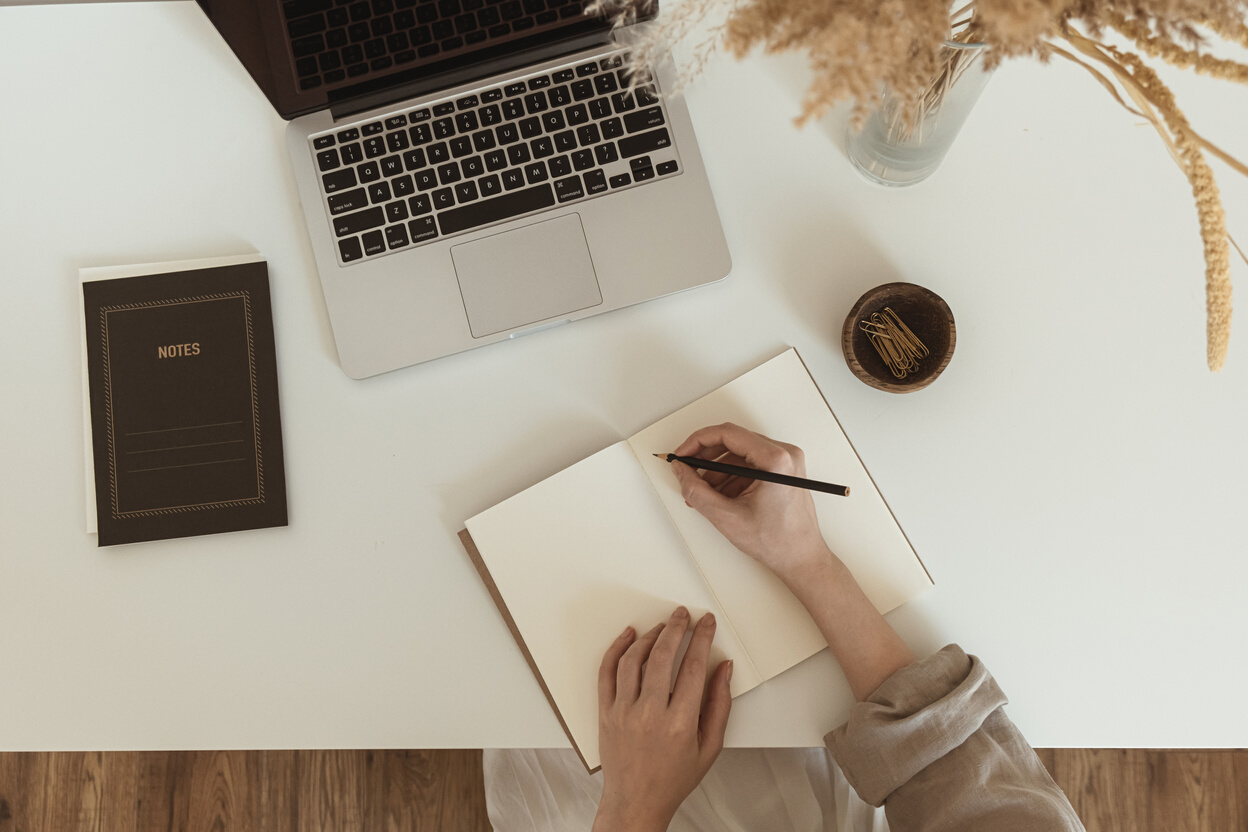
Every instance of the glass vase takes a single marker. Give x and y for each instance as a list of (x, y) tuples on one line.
[(892, 149)]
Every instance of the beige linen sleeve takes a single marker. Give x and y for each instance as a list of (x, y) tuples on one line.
[(935, 748)]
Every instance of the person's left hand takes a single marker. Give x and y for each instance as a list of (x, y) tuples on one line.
[(656, 747)]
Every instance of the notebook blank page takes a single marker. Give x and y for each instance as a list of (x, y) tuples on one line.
[(779, 399), (580, 556)]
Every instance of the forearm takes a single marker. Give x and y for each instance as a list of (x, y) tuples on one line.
[(864, 644)]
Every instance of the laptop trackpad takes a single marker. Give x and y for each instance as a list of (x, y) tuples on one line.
[(524, 276)]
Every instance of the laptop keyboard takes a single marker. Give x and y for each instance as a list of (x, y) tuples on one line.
[(337, 41), (453, 166)]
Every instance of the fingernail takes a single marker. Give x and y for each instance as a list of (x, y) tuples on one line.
[(709, 618), (729, 673), (681, 612), (628, 631)]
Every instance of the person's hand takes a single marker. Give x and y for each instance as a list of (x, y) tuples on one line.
[(774, 524), (656, 746)]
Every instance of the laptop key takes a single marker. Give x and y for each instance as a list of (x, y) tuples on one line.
[(595, 182), (620, 181), (359, 221), (495, 160), (531, 127), (444, 109), (563, 75), (490, 186), (513, 178), (588, 134), (438, 153), (396, 236), (600, 107), (372, 129), (396, 141), (612, 128), (491, 115), (665, 168), (513, 108), (518, 154), (338, 180), (499, 208), (586, 69), (472, 167), (467, 122), (391, 166), (643, 119), (414, 159), (568, 189), (369, 172), (605, 153), (420, 134), (553, 121), (577, 114), (419, 115), (507, 133), (560, 166), (327, 159), (443, 198), (322, 142), (379, 192), (565, 141), (349, 201), (443, 127), (374, 147), (582, 159), (420, 204), (448, 173), (542, 147), (559, 96), (395, 122), (396, 211), (349, 135), (465, 192), (536, 172), (422, 228), (483, 140), (644, 142), (350, 250), (541, 81), (403, 186), (425, 179), (374, 243), (605, 83), (461, 146), (535, 102)]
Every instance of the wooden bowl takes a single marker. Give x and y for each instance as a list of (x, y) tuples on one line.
[(928, 317)]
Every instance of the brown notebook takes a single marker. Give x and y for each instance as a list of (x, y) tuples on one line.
[(185, 428), (610, 543)]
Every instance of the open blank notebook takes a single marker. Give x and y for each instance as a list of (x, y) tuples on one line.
[(609, 542)]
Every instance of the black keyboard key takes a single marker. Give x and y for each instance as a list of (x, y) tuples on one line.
[(565, 141), (336, 38), (595, 182), (513, 178), (414, 159), (541, 81), (547, 17), (582, 159), (379, 192), (605, 153), (507, 133), (491, 95), (398, 42), (425, 179), (640, 162), (403, 186), (491, 115), (369, 172), (444, 109), (451, 43), (560, 166), (327, 159), (349, 201), (438, 153), (605, 83), (396, 211), (465, 23), (518, 154), (428, 50), (535, 102), (422, 114), (349, 249), (642, 174), (640, 143), (577, 114), (448, 173), (513, 109), (559, 96), (515, 89), (665, 168), (426, 13), (329, 60), (542, 147), (420, 134), (612, 128), (359, 221), (339, 180), (582, 90), (490, 186), (372, 129), (472, 167), (621, 180), (335, 76), (500, 208), (305, 67), (465, 192), (309, 83), (420, 204), (563, 75), (499, 30), (374, 242), (646, 96), (643, 119), (536, 172), (443, 127), (530, 127), (600, 107), (483, 141), (396, 141), (495, 160), (586, 69), (304, 30), (322, 142), (391, 166), (588, 134), (349, 135), (421, 35), (614, 62), (396, 236), (395, 122), (553, 121), (374, 147), (622, 102), (466, 122), (569, 189), (422, 229), (298, 8), (443, 198), (461, 146), (466, 102)]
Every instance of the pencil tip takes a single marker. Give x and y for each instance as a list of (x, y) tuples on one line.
[(660, 456)]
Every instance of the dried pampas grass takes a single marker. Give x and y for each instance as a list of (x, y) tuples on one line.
[(859, 48)]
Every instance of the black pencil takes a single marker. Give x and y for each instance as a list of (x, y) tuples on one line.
[(757, 474)]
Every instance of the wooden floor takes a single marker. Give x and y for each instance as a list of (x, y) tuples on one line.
[(397, 791)]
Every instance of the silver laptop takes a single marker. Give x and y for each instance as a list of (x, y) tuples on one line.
[(473, 171)]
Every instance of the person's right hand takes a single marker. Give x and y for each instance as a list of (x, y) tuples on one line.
[(774, 524)]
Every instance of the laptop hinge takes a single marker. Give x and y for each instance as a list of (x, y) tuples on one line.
[(423, 81)]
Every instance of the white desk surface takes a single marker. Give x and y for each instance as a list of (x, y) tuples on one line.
[(1075, 481)]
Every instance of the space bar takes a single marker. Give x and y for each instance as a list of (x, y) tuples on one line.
[(493, 210)]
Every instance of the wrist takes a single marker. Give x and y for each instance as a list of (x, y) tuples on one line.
[(616, 813), (814, 571)]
